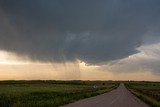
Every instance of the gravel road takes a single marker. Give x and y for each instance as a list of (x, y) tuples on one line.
[(119, 97)]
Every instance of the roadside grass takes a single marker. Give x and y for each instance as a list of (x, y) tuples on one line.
[(49, 93), (149, 92), (145, 98)]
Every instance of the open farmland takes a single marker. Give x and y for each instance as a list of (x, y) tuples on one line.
[(49, 93), (147, 91)]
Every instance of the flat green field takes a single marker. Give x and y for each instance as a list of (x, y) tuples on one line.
[(49, 93), (147, 91)]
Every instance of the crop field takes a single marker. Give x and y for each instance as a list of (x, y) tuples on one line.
[(49, 93), (147, 91)]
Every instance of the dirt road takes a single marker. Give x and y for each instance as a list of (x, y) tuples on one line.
[(120, 97)]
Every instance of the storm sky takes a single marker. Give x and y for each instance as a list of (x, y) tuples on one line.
[(116, 35)]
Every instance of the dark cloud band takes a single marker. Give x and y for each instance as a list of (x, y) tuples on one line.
[(89, 30)]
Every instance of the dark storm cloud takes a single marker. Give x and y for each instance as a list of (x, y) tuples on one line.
[(147, 60), (94, 31)]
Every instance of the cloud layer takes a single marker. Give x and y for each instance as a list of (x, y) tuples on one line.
[(147, 60), (89, 30)]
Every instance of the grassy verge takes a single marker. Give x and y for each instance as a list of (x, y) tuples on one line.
[(145, 98), (48, 94), (147, 91)]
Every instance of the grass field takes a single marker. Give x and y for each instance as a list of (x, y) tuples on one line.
[(147, 91), (49, 93)]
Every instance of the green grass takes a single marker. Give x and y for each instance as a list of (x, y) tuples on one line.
[(149, 92), (49, 93)]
